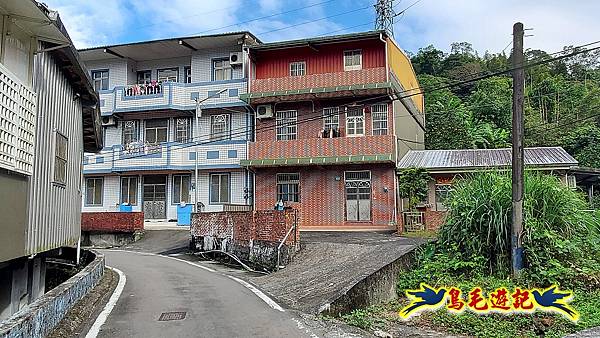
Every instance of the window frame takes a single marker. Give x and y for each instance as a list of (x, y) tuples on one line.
[(96, 178), (210, 188), (354, 122), (128, 178), (187, 78), (178, 129), (330, 113), (176, 69), (146, 72), (60, 159), (379, 130), (285, 123), (439, 203), (177, 201), (135, 134), (101, 79), (223, 68), (146, 128), (296, 72), (352, 53), (221, 135), (287, 183)]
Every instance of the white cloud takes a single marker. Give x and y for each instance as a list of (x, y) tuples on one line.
[(488, 24)]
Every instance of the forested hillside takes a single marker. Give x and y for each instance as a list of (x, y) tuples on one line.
[(562, 100)]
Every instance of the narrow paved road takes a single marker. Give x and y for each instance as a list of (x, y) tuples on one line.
[(215, 305)]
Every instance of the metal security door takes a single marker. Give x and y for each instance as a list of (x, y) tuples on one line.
[(155, 193), (358, 195)]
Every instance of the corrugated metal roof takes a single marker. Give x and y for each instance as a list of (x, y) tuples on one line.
[(318, 40), (464, 159)]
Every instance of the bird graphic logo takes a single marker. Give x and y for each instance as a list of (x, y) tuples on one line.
[(426, 297), (551, 299)]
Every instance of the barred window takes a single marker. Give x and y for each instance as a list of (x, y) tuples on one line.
[(182, 129), (355, 122), (286, 122), (442, 191), (219, 127), (129, 190), (379, 114), (93, 191), (331, 118), (60, 159), (288, 187), (130, 132), (297, 68)]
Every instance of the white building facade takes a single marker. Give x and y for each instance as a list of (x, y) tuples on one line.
[(149, 95)]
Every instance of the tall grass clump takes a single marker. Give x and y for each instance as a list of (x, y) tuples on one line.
[(561, 240)]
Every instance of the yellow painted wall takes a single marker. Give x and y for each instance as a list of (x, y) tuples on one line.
[(400, 65)]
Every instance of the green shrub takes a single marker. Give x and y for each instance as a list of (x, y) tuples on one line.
[(561, 241)]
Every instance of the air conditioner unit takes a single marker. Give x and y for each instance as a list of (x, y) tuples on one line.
[(264, 111), (108, 121), (236, 58)]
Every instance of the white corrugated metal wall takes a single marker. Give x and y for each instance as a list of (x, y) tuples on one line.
[(55, 209)]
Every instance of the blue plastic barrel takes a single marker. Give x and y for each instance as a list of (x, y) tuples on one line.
[(184, 214)]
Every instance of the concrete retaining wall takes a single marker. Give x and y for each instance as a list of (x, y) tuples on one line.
[(39, 318), (252, 236)]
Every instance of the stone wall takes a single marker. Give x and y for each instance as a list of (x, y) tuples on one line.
[(40, 317), (111, 222), (252, 236)]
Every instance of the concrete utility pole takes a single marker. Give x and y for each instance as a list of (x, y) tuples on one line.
[(517, 150)]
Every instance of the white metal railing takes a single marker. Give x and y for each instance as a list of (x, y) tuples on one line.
[(151, 88), (413, 220), (18, 110), (139, 148)]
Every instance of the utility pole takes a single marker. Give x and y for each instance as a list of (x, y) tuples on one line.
[(517, 150), (385, 16)]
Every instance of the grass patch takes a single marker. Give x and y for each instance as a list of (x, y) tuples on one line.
[(420, 234)]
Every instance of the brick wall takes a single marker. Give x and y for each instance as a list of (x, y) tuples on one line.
[(434, 219), (110, 222), (322, 195)]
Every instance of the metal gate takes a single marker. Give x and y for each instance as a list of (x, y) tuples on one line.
[(358, 195), (155, 193)]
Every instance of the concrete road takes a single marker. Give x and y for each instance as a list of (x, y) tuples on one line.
[(215, 305)]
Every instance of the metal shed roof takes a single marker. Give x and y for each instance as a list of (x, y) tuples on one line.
[(472, 159), (319, 40)]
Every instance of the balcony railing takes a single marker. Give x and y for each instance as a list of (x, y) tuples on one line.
[(320, 151), (171, 95), (355, 77)]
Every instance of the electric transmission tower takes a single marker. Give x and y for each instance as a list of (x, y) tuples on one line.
[(385, 16)]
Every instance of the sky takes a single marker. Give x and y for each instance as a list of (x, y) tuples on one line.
[(487, 24)]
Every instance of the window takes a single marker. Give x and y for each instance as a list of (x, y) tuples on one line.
[(130, 132), (60, 159), (379, 114), (331, 118), (129, 190), (358, 195), (219, 127), (156, 131), (187, 71), (353, 60), (221, 70), (219, 188), (144, 76), (442, 191), (100, 79), (182, 129), (168, 75), (181, 188), (288, 187), (355, 122), (93, 190), (297, 68), (287, 127)]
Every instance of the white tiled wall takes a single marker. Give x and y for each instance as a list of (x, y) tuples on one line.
[(117, 70), (154, 65), (110, 196), (202, 63)]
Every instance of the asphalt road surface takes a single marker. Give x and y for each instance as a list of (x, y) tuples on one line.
[(214, 304)]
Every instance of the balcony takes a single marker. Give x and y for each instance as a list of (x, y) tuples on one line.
[(166, 156), (322, 151), (171, 95), (370, 80)]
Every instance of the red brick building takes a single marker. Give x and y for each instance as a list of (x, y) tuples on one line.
[(333, 115)]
